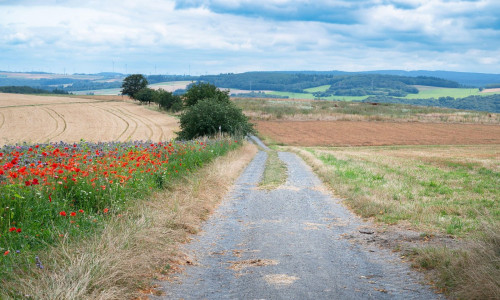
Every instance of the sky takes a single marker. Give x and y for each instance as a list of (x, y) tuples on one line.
[(199, 37)]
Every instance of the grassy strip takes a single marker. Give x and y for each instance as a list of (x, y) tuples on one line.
[(439, 190), (275, 172), (267, 109), (120, 260)]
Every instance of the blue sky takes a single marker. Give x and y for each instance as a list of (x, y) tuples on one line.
[(219, 36)]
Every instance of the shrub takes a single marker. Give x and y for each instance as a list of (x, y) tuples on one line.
[(207, 116), (201, 91)]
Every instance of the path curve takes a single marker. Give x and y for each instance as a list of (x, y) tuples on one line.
[(288, 243)]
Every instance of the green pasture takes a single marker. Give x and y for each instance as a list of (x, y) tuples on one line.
[(322, 88)]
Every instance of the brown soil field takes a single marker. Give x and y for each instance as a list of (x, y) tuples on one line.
[(495, 90), (38, 119), (346, 133)]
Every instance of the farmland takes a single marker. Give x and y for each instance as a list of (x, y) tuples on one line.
[(39, 119), (344, 133)]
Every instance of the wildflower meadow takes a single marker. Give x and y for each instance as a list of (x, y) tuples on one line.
[(59, 190)]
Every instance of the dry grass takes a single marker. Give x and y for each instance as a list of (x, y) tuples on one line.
[(275, 173), (123, 259), (442, 191)]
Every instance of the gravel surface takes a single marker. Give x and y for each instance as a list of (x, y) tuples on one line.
[(289, 243)]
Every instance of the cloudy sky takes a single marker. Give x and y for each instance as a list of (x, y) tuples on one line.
[(218, 36)]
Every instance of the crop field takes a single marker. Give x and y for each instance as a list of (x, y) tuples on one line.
[(425, 92), (40, 119), (436, 92), (344, 133), (170, 86)]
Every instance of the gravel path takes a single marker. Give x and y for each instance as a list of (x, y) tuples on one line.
[(288, 243)]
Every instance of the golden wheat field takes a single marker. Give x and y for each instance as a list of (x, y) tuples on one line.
[(39, 119)]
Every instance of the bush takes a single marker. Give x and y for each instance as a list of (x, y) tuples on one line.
[(207, 116), (201, 91)]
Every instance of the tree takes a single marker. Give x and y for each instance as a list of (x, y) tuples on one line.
[(200, 91), (133, 84), (166, 100), (206, 117), (146, 95)]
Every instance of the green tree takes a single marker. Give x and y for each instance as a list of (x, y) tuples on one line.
[(206, 117), (146, 95), (200, 91), (133, 84), (166, 100)]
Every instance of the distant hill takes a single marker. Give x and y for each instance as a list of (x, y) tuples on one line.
[(464, 78)]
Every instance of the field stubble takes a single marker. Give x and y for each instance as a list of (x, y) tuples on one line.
[(39, 119)]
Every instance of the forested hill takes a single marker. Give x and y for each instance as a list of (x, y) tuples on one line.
[(345, 85)]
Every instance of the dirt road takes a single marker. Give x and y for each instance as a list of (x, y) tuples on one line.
[(289, 243)]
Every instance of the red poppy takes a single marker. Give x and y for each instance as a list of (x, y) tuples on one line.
[(62, 213), (6, 253), (106, 210), (72, 214), (81, 211), (12, 229)]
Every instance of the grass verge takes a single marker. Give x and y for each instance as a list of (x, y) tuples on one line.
[(119, 260), (274, 173), (440, 190)]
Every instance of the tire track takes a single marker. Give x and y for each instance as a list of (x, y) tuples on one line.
[(121, 118), (2, 120), (140, 119), (55, 132)]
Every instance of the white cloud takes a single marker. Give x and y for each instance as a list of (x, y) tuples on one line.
[(410, 34)]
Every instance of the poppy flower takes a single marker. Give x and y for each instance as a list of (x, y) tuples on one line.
[(81, 211), (105, 210), (72, 214), (6, 253), (19, 230), (62, 213), (12, 229)]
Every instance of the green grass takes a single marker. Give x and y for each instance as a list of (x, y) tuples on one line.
[(310, 96), (436, 92), (429, 188), (322, 88), (275, 173)]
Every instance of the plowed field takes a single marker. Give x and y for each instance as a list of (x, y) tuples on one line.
[(36, 119), (345, 133)]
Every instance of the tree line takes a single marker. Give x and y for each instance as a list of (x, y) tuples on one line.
[(206, 110), (489, 103)]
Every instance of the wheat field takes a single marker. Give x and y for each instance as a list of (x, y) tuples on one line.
[(40, 119)]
